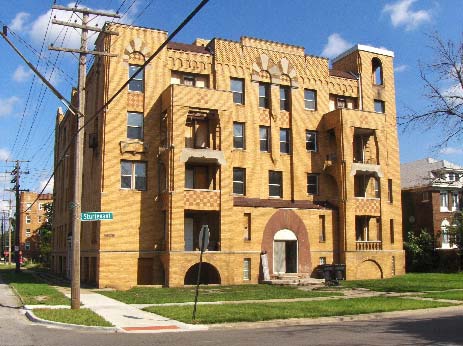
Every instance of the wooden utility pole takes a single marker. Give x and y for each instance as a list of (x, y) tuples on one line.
[(79, 142)]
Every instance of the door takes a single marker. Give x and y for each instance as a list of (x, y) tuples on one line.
[(291, 256), (279, 257), (188, 234)]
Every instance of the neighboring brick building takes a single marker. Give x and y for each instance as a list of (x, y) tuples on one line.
[(32, 221), (431, 193), (270, 148)]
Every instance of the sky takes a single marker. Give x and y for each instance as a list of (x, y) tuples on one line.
[(324, 28)]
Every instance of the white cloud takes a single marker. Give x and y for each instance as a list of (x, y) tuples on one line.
[(49, 188), (400, 68), (7, 105), (454, 91), (401, 14), (451, 151), (4, 154), (17, 24), (38, 27), (335, 46), (21, 74)]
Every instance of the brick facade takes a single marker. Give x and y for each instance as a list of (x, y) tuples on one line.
[(188, 150)]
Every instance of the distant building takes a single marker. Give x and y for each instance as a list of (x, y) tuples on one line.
[(431, 193), (32, 218), (265, 144)]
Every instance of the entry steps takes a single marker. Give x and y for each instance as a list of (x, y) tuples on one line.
[(294, 280)]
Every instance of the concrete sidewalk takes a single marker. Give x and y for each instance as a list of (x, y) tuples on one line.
[(130, 319)]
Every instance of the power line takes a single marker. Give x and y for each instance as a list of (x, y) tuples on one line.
[(161, 47)]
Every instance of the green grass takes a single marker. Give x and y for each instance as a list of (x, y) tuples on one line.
[(84, 317), (452, 295), (31, 289), (414, 282), (153, 295), (210, 314)]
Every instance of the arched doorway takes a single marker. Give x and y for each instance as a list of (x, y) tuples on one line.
[(285, 254), (209, 275)]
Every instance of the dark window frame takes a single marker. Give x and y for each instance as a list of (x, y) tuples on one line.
[(285, 145), (264, 97), (131, 127), (135, 179), (285, 96), (138, 83), (311, 184), (237, 182), (313, 144), (380, 106), (238, 95), (236, 144), (264, 148), (275, 184)]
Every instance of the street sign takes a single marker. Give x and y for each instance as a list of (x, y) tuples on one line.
[(204, 228), (96, 216)]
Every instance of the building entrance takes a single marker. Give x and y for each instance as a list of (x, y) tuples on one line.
[(285, 256)]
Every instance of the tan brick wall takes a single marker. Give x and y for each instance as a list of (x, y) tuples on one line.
[(136, 242)]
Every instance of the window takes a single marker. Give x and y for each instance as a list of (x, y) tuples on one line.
[(425, 196), (136, 84), (377, 71), (28, 205), (28, 232), (247, 269), (28, 218), (237, 88), (135, 125), (247, 226), (197, 177), (451, 177), (312, 184), (189, 80), (40, 206), (239, 181), (444, 201), (341, 102), (310, 99), (264, 95), (376, 188), (133, 175), (275, 184), (322, 261), (390, 198), (238, 136), (391, 230), (27, 245), (284, 98), (284, 141), (455, 201), (311, 140), (379, 106), (264, 138), (322, 227)]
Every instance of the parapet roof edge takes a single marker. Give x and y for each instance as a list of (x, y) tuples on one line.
[(364, 48)]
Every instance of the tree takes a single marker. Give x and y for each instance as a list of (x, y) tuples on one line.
[(455, 231), (419, 251), (45, 234), (443, 83)]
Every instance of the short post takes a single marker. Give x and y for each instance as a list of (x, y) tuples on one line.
[(203, 242)]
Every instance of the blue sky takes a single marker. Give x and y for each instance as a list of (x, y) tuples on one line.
[(27, 109)]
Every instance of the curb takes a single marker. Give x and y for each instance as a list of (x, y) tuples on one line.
[(294, 322), (31, 316)]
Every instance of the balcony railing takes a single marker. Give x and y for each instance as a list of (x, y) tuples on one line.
[(375, 245), (198, 199)]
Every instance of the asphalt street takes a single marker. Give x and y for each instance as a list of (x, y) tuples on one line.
[(422, 328)]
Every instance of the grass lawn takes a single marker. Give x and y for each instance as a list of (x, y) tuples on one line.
[(210, 314), (452, 295), (414, 282), (153, 295), (32, 290), (84, 317)]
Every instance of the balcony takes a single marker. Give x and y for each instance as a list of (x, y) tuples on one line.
[(366, 168), (202, 156), (367, 206), (190, 96), (201, 199), (375, 245)]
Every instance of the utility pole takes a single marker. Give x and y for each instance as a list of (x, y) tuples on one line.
[(17, 174), (79, 149)]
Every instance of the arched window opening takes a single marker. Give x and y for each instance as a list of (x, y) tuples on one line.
[(209, 275), (377, 69)]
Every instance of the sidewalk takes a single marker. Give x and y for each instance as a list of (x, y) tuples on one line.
[(127, 318)]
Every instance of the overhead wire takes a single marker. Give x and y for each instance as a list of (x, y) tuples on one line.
[(112, 98)]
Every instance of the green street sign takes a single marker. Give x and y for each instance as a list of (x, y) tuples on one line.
[(96, 216)]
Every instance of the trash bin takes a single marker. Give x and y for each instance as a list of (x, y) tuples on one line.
[(340, 271), (328, 272)]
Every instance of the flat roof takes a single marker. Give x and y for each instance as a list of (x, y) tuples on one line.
[(365, 48)]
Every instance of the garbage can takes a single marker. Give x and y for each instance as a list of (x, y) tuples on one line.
[(340, 271), (328, 272)]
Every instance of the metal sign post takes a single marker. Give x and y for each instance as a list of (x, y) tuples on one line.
[(203, 242)]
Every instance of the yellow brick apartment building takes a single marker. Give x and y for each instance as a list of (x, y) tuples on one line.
[(273, 150)]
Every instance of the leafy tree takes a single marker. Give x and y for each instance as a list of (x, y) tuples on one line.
[(45, 234), (443, 83), (419, 251)]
